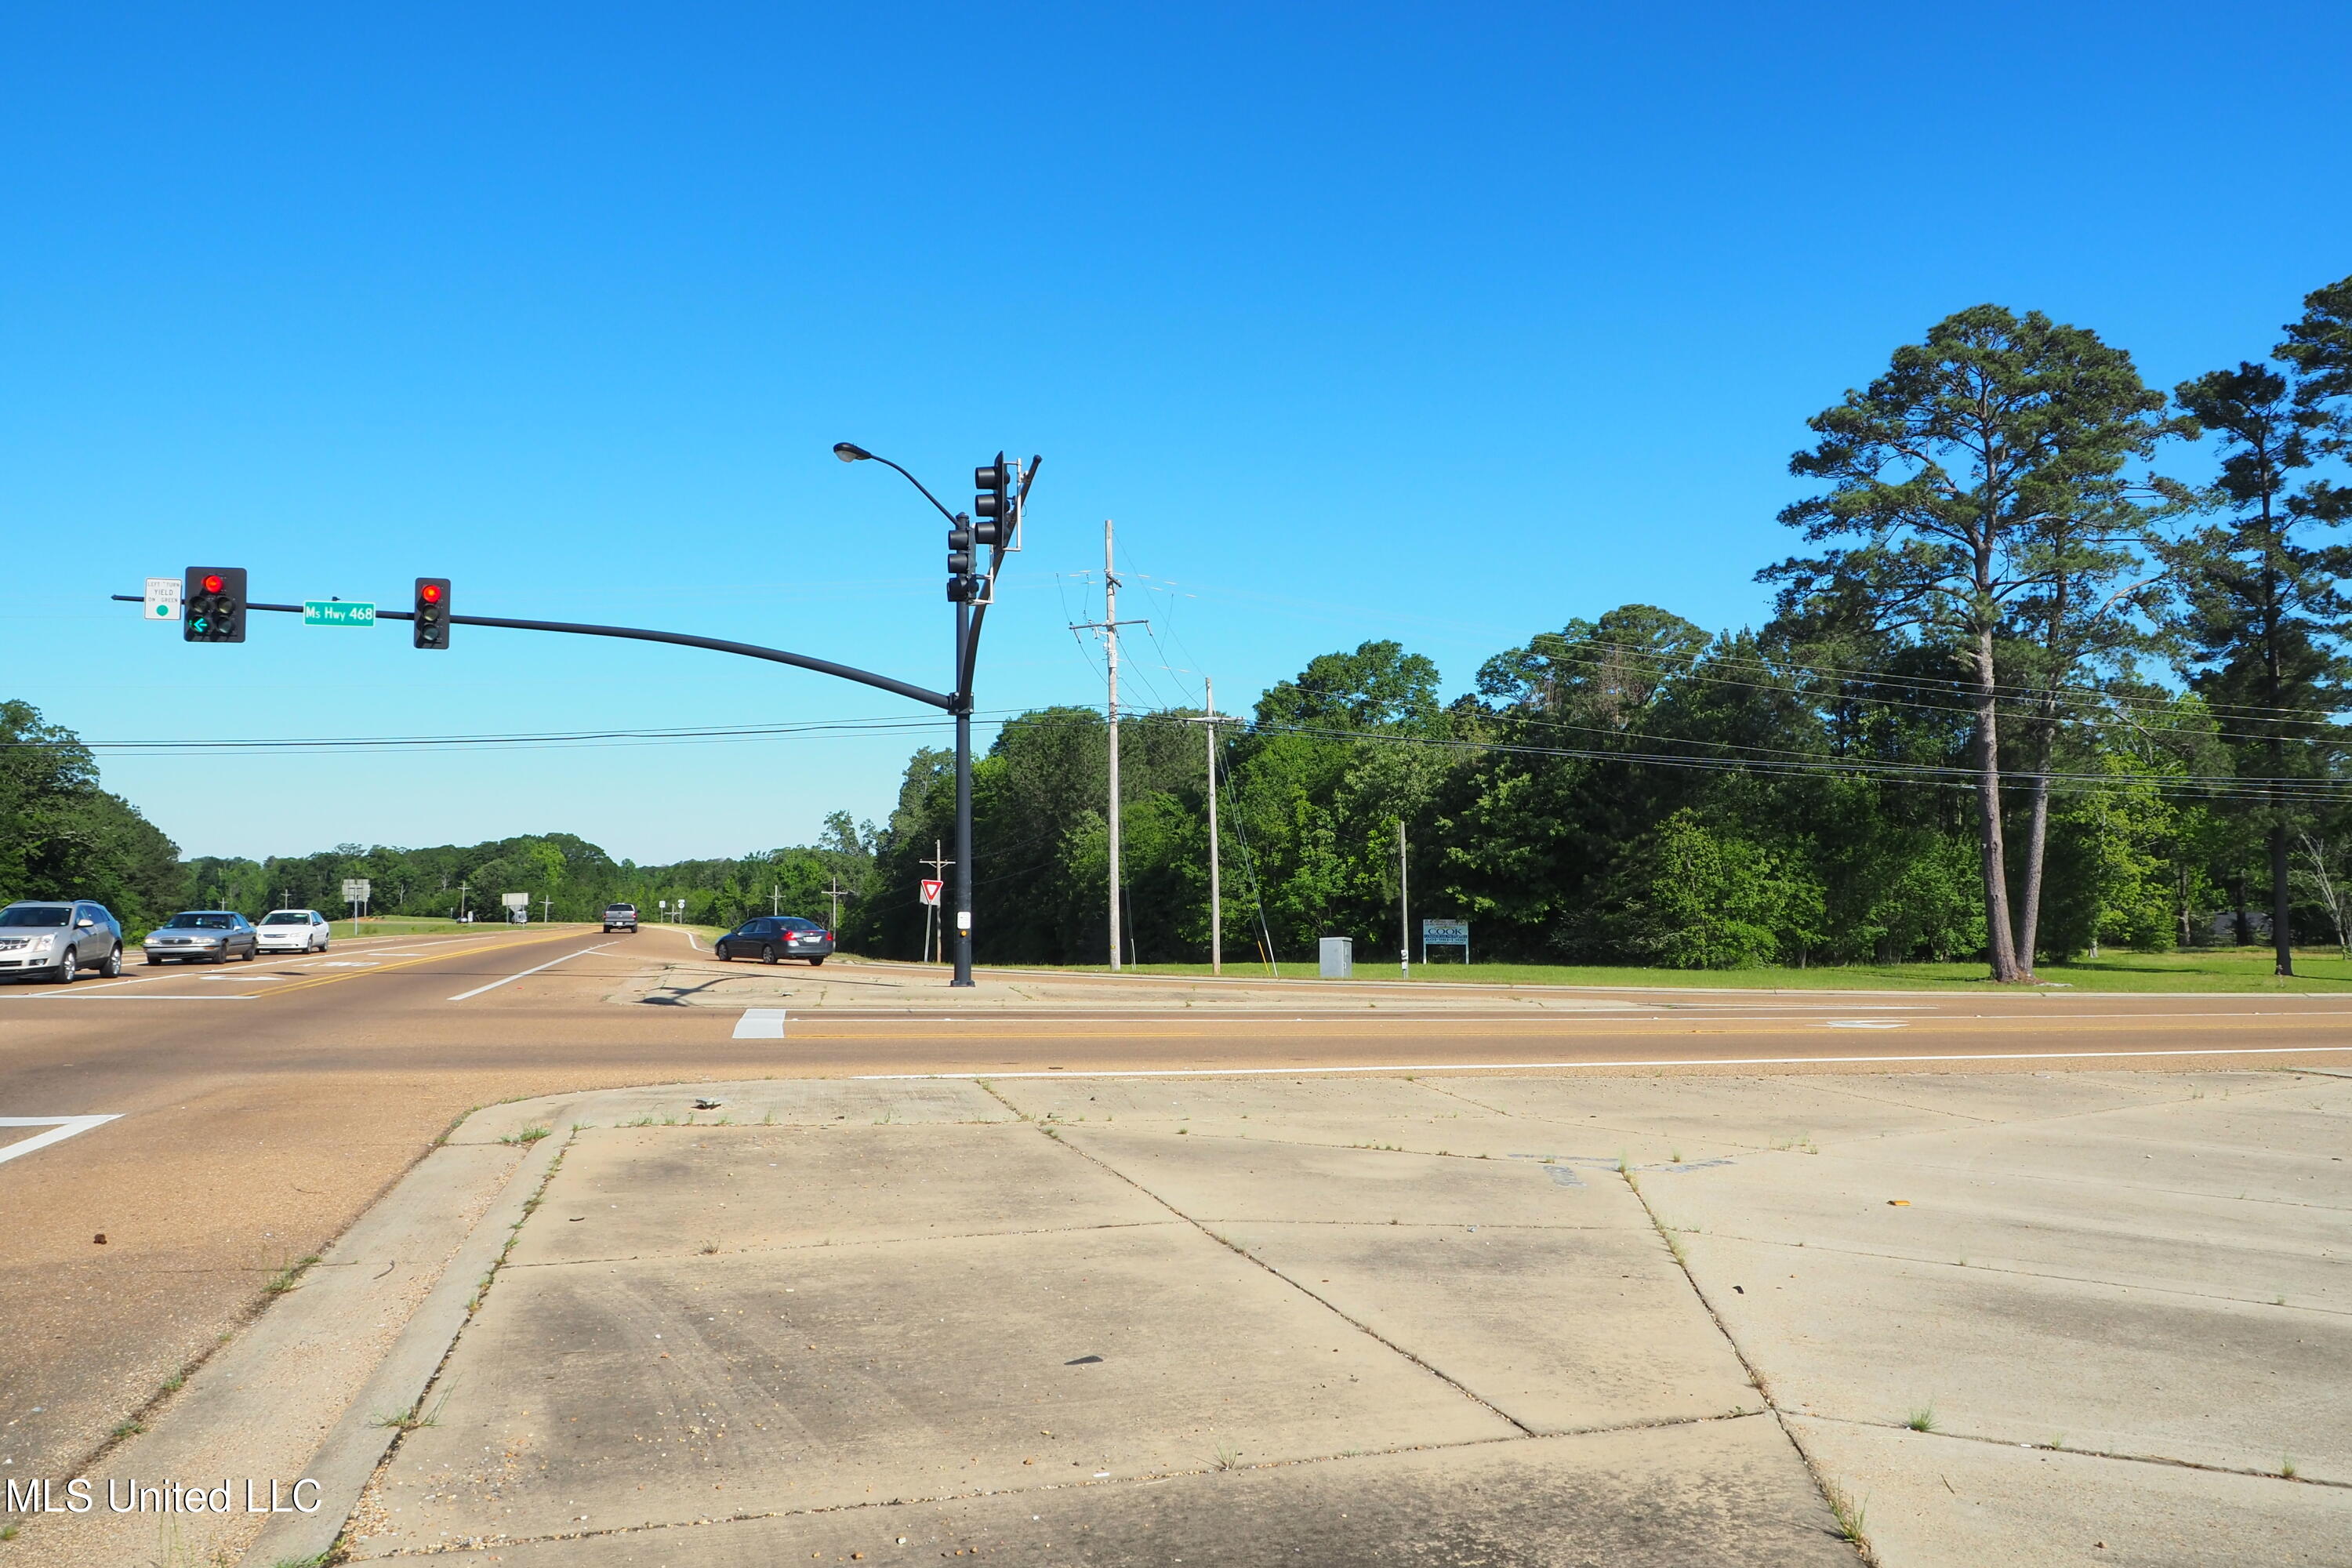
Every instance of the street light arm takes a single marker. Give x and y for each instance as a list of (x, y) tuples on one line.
[(876, 458)]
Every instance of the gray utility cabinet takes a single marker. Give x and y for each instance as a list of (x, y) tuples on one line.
[(1338, 958)]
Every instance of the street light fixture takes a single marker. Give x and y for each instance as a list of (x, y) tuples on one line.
[(972, 599)]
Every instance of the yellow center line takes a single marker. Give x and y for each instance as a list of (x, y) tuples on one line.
[(413, 962)]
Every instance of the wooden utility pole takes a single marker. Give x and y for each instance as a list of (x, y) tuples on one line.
[(836, 892), (1110, 641), (1208, 722), (938, 865), (1108, 628)]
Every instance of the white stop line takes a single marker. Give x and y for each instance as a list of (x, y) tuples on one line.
[(761, 1023), (60, 1127)]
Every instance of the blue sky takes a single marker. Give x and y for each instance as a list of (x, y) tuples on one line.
[(1444, 323)]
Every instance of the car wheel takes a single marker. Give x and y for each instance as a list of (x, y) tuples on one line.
[(154, 961), (253, 952), (817, 959), (113, 965), (722, 955), (69, 967), (222, 956), (767, 953)]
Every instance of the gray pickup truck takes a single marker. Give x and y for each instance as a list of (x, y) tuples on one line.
[(620, 917)]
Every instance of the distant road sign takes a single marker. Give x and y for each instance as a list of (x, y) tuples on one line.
[(338, 612), (931, 892), (515, 901), (164, 598), (355, 889), (1444, 933)]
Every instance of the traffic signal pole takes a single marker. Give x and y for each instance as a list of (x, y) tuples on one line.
[(964, 649), (214, 602)]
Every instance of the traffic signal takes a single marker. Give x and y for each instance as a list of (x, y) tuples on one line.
[(961, 586), (991, 509), (432, 624), (212, 604)]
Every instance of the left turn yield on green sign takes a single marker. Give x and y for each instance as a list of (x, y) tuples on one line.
[(338, 613), (164, 598)]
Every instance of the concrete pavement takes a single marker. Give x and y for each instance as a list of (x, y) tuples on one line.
[(1299, 1321)]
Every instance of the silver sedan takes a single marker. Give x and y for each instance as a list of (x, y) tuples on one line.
[(206, 936)]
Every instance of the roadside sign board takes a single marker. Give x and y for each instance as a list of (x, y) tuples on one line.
[(1444, 933), (355, 889), (515, 901), (931, 892), (338, 612), (164, 598)]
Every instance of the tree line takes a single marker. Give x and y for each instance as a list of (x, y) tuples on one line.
[(2023, 692)]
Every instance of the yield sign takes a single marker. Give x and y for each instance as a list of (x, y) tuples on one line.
[(931, 892)]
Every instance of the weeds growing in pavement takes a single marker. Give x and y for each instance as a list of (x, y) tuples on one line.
[(414, 1416), (288, 1275), (1922, 1419), (2286, 1465), (1852, 1519), (526, 1136), (1228, 1458), (128, 1429)]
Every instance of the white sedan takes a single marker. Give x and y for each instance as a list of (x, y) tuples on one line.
[(293, 931)]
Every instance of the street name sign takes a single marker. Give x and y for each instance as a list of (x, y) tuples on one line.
[(338, 612), (355, 889), (164, 598)]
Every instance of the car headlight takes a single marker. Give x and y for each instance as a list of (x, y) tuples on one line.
[(44, 943)]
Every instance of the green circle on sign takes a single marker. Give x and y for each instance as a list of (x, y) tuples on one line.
[(162, 610)]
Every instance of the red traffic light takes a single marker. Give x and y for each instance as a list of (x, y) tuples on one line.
[(213, 583), (430, 592)]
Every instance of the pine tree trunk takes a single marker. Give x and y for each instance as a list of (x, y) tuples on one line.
[(2029, 914), (2001, 948)]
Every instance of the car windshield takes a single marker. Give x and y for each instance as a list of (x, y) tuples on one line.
[(796, 923), (620, 909), (287, 918), (36, 915), (200, 922)]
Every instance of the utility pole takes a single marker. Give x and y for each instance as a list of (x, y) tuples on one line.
[(1404, 925), (938, 865), (836, 892), (461, 902), (1108, 628), (1208, 722), (775, 898), (544, 901)]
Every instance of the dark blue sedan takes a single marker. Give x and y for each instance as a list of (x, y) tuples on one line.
[(772, 938)]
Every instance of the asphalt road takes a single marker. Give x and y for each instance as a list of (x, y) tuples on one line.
[(257, 1109)]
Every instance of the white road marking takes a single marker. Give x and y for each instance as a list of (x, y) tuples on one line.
[(166, 996), (761, 1023), (1862, 1022), (60, 1127), (510, 979), (1668, 1062)]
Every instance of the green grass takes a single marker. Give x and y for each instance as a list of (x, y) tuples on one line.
[(2195, 969)]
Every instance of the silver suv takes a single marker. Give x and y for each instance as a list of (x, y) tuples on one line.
[(59, 940)]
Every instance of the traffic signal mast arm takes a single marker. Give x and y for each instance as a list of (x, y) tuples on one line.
[(938, 699)]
